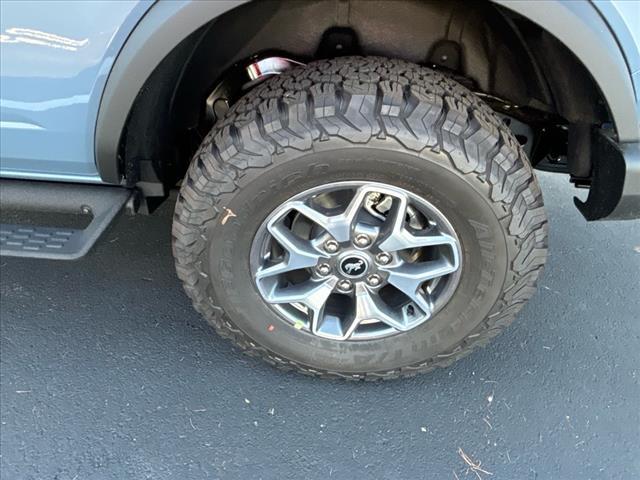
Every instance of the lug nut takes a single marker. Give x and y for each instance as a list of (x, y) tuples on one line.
[(362, 240), (383, 258), (323, 269), (344, 285), (374, 280), (331, 246)]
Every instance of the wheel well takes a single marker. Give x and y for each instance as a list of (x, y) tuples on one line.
[(521, 70)]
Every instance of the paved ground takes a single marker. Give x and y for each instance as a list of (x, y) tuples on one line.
[(107, 373)]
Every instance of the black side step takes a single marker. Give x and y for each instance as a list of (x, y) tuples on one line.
[(101, 202)]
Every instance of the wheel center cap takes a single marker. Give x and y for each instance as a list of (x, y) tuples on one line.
[(354, 266)]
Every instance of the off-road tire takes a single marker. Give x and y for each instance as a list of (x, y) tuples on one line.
[(361, 104)]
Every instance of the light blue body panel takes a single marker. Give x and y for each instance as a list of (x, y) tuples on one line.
[(55, 59), (623, 18)]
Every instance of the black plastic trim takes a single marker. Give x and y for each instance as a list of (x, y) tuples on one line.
[(607, 179), (101, 202)]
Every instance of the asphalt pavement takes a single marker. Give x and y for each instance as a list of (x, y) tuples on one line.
[(108, 373)]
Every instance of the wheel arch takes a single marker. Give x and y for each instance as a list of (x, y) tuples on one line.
[(580, 27), (158, 33), (170, 31)]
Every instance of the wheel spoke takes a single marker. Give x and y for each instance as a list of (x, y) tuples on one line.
[(371, 307), (409, 277), (403, 239), (311, 293), (396, 218), (339, 226), (397, 237), (300, 253)]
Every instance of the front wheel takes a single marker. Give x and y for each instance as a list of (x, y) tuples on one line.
[(360, 217)]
